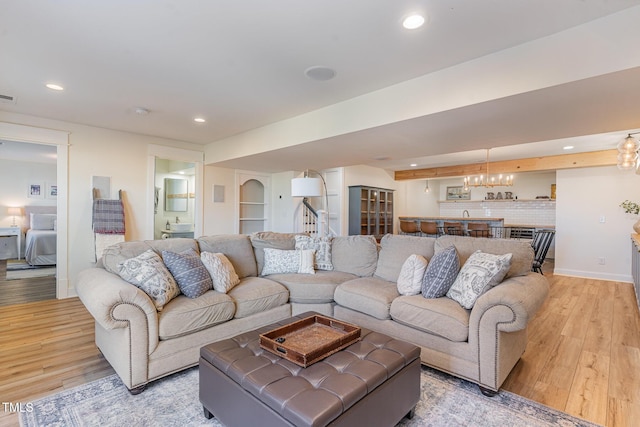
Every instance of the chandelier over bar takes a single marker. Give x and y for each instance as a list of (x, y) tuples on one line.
[(488, 180)]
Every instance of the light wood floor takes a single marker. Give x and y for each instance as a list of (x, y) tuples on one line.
[(583, 355), (20, 291)]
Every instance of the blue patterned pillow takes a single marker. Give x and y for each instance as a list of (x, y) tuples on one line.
[(440, 274), (190, 273)]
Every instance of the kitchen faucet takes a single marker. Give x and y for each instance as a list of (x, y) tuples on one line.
[(465, 212)]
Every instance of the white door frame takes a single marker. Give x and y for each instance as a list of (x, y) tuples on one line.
[(60, 139)]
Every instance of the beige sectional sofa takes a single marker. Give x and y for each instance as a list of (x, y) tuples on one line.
[(481, 344)]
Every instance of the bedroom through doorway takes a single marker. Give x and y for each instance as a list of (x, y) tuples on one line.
[(28, 228)]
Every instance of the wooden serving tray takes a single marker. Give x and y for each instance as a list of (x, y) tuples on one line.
[(310, 340)]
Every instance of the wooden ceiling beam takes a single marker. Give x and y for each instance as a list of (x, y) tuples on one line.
[(533, 164)]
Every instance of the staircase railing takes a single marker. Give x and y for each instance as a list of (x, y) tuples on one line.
[(309, 218)]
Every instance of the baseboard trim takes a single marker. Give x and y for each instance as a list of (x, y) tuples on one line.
[(594, 275)]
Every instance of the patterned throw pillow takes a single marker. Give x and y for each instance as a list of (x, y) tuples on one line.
[(222, 273), (148, 272), (440, 273), (280, 261), (410, 279), (190, 273), (322, 247), (481, 272)]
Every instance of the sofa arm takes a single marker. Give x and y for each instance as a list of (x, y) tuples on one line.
[(520, 297), (115, 303)]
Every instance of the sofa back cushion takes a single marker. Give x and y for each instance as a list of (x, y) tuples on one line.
[(394, 251), (115, 254), (273, 240), (521, 250), (236, 247), (355, 254)]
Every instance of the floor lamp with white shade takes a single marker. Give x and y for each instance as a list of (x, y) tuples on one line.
[(312, 187)]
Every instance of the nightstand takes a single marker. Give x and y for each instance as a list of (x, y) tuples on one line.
[(13, 231)]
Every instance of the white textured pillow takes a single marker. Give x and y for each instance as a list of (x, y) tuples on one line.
[(410, 278), (221, 271), (322, 247), (148, 272), (42, 221), (280, 261), (481, 272), (307, 261)]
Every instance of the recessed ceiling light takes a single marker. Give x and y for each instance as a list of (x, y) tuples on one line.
[(54, 86), (320, 73), (199, 120), (568, 147), (413, 165), (413, 21)]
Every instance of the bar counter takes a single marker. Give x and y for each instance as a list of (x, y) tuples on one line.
[(493, 222)]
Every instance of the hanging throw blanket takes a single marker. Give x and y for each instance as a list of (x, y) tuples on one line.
[(108, 216)]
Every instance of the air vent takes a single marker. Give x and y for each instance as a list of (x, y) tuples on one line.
[(7, 99)]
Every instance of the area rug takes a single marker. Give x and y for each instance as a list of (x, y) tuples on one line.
[(173, 401), (19, 269)]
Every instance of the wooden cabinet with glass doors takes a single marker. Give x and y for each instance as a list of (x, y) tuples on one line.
[(370, 211)]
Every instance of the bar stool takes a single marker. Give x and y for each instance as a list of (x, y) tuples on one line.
[(409, 227), (478, 229), (429, 228), (453, 228)]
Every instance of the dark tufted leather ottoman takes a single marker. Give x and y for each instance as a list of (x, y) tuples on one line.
[(373, 382)]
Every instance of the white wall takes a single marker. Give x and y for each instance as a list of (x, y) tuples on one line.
[(584, 196), (15, 177), (417, 202), (282, 204), (219, 218)]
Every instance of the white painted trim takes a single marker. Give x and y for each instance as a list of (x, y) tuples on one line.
[(35, 135), (626, 278)]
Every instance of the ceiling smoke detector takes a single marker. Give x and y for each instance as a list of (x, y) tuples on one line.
[(141, 111), (320, 73)]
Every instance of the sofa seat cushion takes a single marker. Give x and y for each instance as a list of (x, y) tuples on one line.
[(257, 294), (312, 289), (438, 316), (183, 316), (368, 295)]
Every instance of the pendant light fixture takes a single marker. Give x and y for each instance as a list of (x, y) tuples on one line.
[(426, 188), (628, 152), (488, 180)]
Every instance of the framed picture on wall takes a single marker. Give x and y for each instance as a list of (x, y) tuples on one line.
[(52, 190), (36, 190), (458, 193)]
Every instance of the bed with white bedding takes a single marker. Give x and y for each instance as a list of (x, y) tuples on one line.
[(41, 236)]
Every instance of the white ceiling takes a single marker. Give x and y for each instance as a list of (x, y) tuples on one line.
[(240, 65)]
